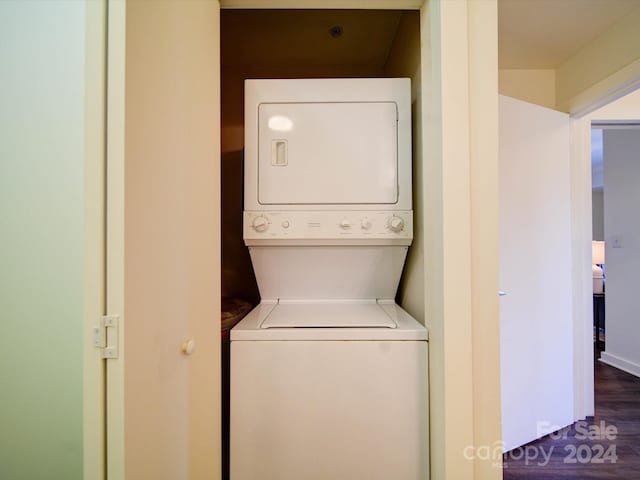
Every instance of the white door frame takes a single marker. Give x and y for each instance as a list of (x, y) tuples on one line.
[(582, 285), (93, 424), (116, 40), (583, 115)]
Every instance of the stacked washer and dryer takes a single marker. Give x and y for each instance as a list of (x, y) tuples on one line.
[(328, 374)]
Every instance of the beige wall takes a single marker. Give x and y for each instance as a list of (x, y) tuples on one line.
[(533, 86), (608, 62), (605, 68), (460, 101), (404, 61), (483, 167), (171, 281), (621, 197)]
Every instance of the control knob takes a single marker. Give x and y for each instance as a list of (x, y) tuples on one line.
[(344, 224), (366, 224), (260, 224), (396, 224)]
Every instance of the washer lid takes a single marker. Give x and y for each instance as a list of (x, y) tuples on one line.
[(328, 315), (310, 327)]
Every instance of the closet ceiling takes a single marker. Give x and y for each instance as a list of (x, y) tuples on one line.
[(259, 38)]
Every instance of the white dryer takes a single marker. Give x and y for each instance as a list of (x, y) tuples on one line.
[(328, 374)]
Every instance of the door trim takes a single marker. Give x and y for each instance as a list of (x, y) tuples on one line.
[(582, 118), (115, 115), (93, 385)]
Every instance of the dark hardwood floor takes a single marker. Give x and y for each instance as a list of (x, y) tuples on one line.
[(575, 453)]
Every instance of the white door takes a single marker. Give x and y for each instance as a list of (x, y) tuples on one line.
[(163, 240), (535, 272)]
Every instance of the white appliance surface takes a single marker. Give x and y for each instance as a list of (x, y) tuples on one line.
[(324, 227), (313, 155), (315, 409), (328, 320), (321, 272), (328, 374), (311, 144), (328, 315)]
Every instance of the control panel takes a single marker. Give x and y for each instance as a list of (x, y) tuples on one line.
[(329, 227)]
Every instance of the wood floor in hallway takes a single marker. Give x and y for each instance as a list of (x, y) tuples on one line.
[(568, 454)]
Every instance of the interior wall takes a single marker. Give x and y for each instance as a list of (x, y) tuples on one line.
[(460, 111), (42, 147), (624, 108), (533, 86), (621, 196), (597, 211), (611, 61), (404, 61)]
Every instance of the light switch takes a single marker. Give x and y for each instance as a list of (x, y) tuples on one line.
[(616, 241)]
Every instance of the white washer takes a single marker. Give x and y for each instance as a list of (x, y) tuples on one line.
[(346, 399), (328, 374)]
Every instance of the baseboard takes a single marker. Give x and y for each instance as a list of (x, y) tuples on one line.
[(621, 363)]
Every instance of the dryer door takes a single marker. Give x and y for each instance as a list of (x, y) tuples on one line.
[(328, 153)]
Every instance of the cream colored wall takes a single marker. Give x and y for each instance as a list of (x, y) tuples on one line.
[(404, 61), (483, 140), (459, 71), (604, 69), (626, 108), (610, 62), (171, 277), (533, 86)]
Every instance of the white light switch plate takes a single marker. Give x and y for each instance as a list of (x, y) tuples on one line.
[(616, 242)]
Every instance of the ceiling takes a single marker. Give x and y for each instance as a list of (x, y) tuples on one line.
[(303, 37), (542, 34)]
